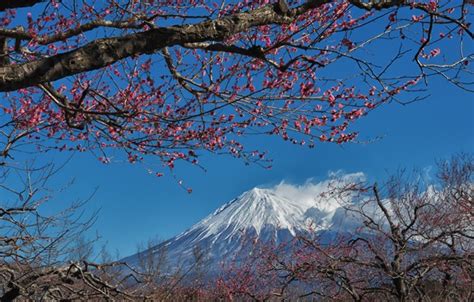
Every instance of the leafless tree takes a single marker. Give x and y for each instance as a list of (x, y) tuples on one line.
[(415, 242), (173, 79), (35, 247), (163, 279)]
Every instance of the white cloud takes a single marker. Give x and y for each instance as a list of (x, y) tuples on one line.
[(310, 191)]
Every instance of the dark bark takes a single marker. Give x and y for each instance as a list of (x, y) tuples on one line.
[(4, 5), (11, 294), (104, 52), (4, 60)]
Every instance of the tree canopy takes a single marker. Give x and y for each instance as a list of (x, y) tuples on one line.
[(172, 79)]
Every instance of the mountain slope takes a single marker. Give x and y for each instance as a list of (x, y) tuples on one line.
[(228, 234)]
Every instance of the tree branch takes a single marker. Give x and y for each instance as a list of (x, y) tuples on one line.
[(104, 52), (4, 5)]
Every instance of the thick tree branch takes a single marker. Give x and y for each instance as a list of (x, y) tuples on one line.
[(377, 4), (104, 52), (62, 36), (4, 5)]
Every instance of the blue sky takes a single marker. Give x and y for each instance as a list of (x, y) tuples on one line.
[(135, 206)]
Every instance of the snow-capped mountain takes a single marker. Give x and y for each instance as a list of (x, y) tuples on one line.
[(259, 214)]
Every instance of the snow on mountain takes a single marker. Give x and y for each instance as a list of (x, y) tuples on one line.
[(266, 214), (255, 209)]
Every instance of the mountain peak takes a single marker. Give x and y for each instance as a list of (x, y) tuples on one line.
[(260, 213), (256, 194), (260, 196), (255, 209)]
